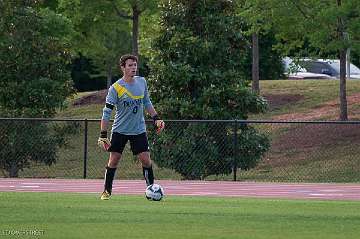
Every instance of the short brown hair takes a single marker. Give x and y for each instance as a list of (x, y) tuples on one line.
[(126, 57)]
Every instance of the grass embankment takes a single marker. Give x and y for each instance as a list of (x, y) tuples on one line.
[(309, 95), (311, 153)]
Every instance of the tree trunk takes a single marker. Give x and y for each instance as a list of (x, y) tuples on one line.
[(342, 56), (343, 100), (14, 171), (255, 63), (109, 75), (135, 30), (135, 24)]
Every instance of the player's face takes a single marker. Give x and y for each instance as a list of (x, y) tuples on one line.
[(130, 68)]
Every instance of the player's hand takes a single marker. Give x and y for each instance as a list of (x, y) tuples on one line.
[(103, 141), (160, 125)]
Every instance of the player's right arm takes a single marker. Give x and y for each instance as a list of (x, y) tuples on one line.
[(111, 100)]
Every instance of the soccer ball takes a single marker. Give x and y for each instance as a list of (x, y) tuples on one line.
[(154, 192)]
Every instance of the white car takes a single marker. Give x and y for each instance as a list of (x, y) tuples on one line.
[(294, 71), (329, 67)]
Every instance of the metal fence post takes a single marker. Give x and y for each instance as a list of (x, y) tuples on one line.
[(235, 150), (85, 147)]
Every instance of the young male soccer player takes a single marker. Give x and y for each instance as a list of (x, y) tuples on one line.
[(129, 95)]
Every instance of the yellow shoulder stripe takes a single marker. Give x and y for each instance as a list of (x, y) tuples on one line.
[(122, 90)]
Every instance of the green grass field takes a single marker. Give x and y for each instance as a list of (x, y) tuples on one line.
[(65, 215)]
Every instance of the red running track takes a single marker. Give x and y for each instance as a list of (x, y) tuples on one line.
[(323, 191)]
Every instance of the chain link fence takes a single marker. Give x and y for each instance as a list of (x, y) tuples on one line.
[(207, 150)]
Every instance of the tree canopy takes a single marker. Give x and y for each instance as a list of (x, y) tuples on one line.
[(328, 28), (199, 72), (34, 54), (199, 62), (34, 82)]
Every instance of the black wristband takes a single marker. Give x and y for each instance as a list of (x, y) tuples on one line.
[(155, 118), (103, 134)]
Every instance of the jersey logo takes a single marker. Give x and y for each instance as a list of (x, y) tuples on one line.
[(122, 91)]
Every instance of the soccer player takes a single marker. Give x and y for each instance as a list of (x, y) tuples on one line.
[(129, 96)]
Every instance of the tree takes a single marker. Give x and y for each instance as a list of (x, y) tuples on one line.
[(100, 34), (266, 63), (137, 8), (255, 63), (85, 75), (251, 14), (103, 29), (199, 72), (34, 80), (324, 25)]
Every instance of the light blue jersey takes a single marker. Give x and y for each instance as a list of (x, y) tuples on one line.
[(129, 99)]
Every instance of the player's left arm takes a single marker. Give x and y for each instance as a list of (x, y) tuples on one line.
[(149, 108), (158, 123)]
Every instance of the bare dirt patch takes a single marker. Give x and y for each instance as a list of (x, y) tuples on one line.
[(94, 98), (328, 109), (275, 101), (315, 136), (302, 142), (278, 101)]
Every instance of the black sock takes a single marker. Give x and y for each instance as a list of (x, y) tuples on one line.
[(109, 178), (148, 175)]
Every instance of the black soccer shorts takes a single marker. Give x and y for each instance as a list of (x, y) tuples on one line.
[(138, 143)]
